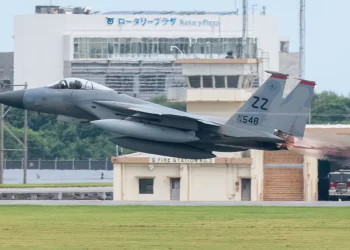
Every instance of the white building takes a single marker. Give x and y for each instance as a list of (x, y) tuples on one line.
[(145, 177), (134, 52), (6, 71)]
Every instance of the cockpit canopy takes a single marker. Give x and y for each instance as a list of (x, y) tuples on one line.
[(77, 83)]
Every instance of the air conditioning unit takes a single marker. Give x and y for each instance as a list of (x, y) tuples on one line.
[(5, 85)]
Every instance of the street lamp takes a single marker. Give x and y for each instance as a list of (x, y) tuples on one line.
[(175, 47)]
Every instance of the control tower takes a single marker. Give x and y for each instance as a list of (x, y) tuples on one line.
[(217, 87)]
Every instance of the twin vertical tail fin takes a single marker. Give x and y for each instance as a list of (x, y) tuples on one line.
[(260, 111), (295, 109)]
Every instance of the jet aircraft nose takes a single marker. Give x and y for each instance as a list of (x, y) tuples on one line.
[(13, 98)]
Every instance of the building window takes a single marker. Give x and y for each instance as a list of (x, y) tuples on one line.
[(195, 81), (220, 81), (146, 186), (207, 81), (232, 81), (98, 47), (152, 83)]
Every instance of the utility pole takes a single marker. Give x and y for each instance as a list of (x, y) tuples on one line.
[(2, 160), (25, 161), (302, 44), (23, 144), (302, 40)]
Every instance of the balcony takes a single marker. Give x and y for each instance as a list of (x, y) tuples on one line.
[(157, 57), (209, 94)]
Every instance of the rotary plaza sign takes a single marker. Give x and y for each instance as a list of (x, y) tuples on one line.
[(160, 21)]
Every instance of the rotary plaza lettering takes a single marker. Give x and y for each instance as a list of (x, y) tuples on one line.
[(143, 21), (204, 22), (180, 160)]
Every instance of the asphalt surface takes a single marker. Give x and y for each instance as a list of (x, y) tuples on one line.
[(148, 203), (175, 203), (56, 190)]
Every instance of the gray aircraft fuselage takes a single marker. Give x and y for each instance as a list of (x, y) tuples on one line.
[(264, 122), (63, 102)]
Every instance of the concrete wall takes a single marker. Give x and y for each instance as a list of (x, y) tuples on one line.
[(311, 178), (6, 66), (199, 182), (257, 175), (220, 69), (217, 183), (215, 109), (44, 42), (289, 64), (131, 174), (39, 50)]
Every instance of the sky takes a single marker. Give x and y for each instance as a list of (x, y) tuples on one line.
[(327, 33)]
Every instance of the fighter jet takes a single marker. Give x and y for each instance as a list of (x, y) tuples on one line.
[(265, 122)]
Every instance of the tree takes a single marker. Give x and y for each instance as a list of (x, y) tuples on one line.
[(162, 100), (328, 107)]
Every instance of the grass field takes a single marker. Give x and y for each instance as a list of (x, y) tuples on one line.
[(56, 185), (147, 227)]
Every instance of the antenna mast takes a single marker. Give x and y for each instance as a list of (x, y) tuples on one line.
[(302, 44), (302, 40), (245, 27)]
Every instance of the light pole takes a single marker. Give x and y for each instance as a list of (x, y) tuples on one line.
[(175, 47)]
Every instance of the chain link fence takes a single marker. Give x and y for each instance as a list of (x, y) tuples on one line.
[(61, 164)]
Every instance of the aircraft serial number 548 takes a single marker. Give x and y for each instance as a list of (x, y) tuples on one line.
[(248, 119)]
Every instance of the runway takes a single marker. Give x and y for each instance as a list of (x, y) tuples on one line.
[(97, 202), (60, 194), (174, 203), (56, 190)]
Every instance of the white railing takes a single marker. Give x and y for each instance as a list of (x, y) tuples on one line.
[(209, 94), (154, 57)]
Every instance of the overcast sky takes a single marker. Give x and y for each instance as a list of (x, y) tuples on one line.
[(327, 31)]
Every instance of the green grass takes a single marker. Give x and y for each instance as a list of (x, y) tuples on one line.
[(53, 185), (151, 227)]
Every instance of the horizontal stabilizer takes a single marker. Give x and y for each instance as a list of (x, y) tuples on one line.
[(277, 75)]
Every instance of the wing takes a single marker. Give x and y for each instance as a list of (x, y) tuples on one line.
[(164, 116), (154, 112)]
